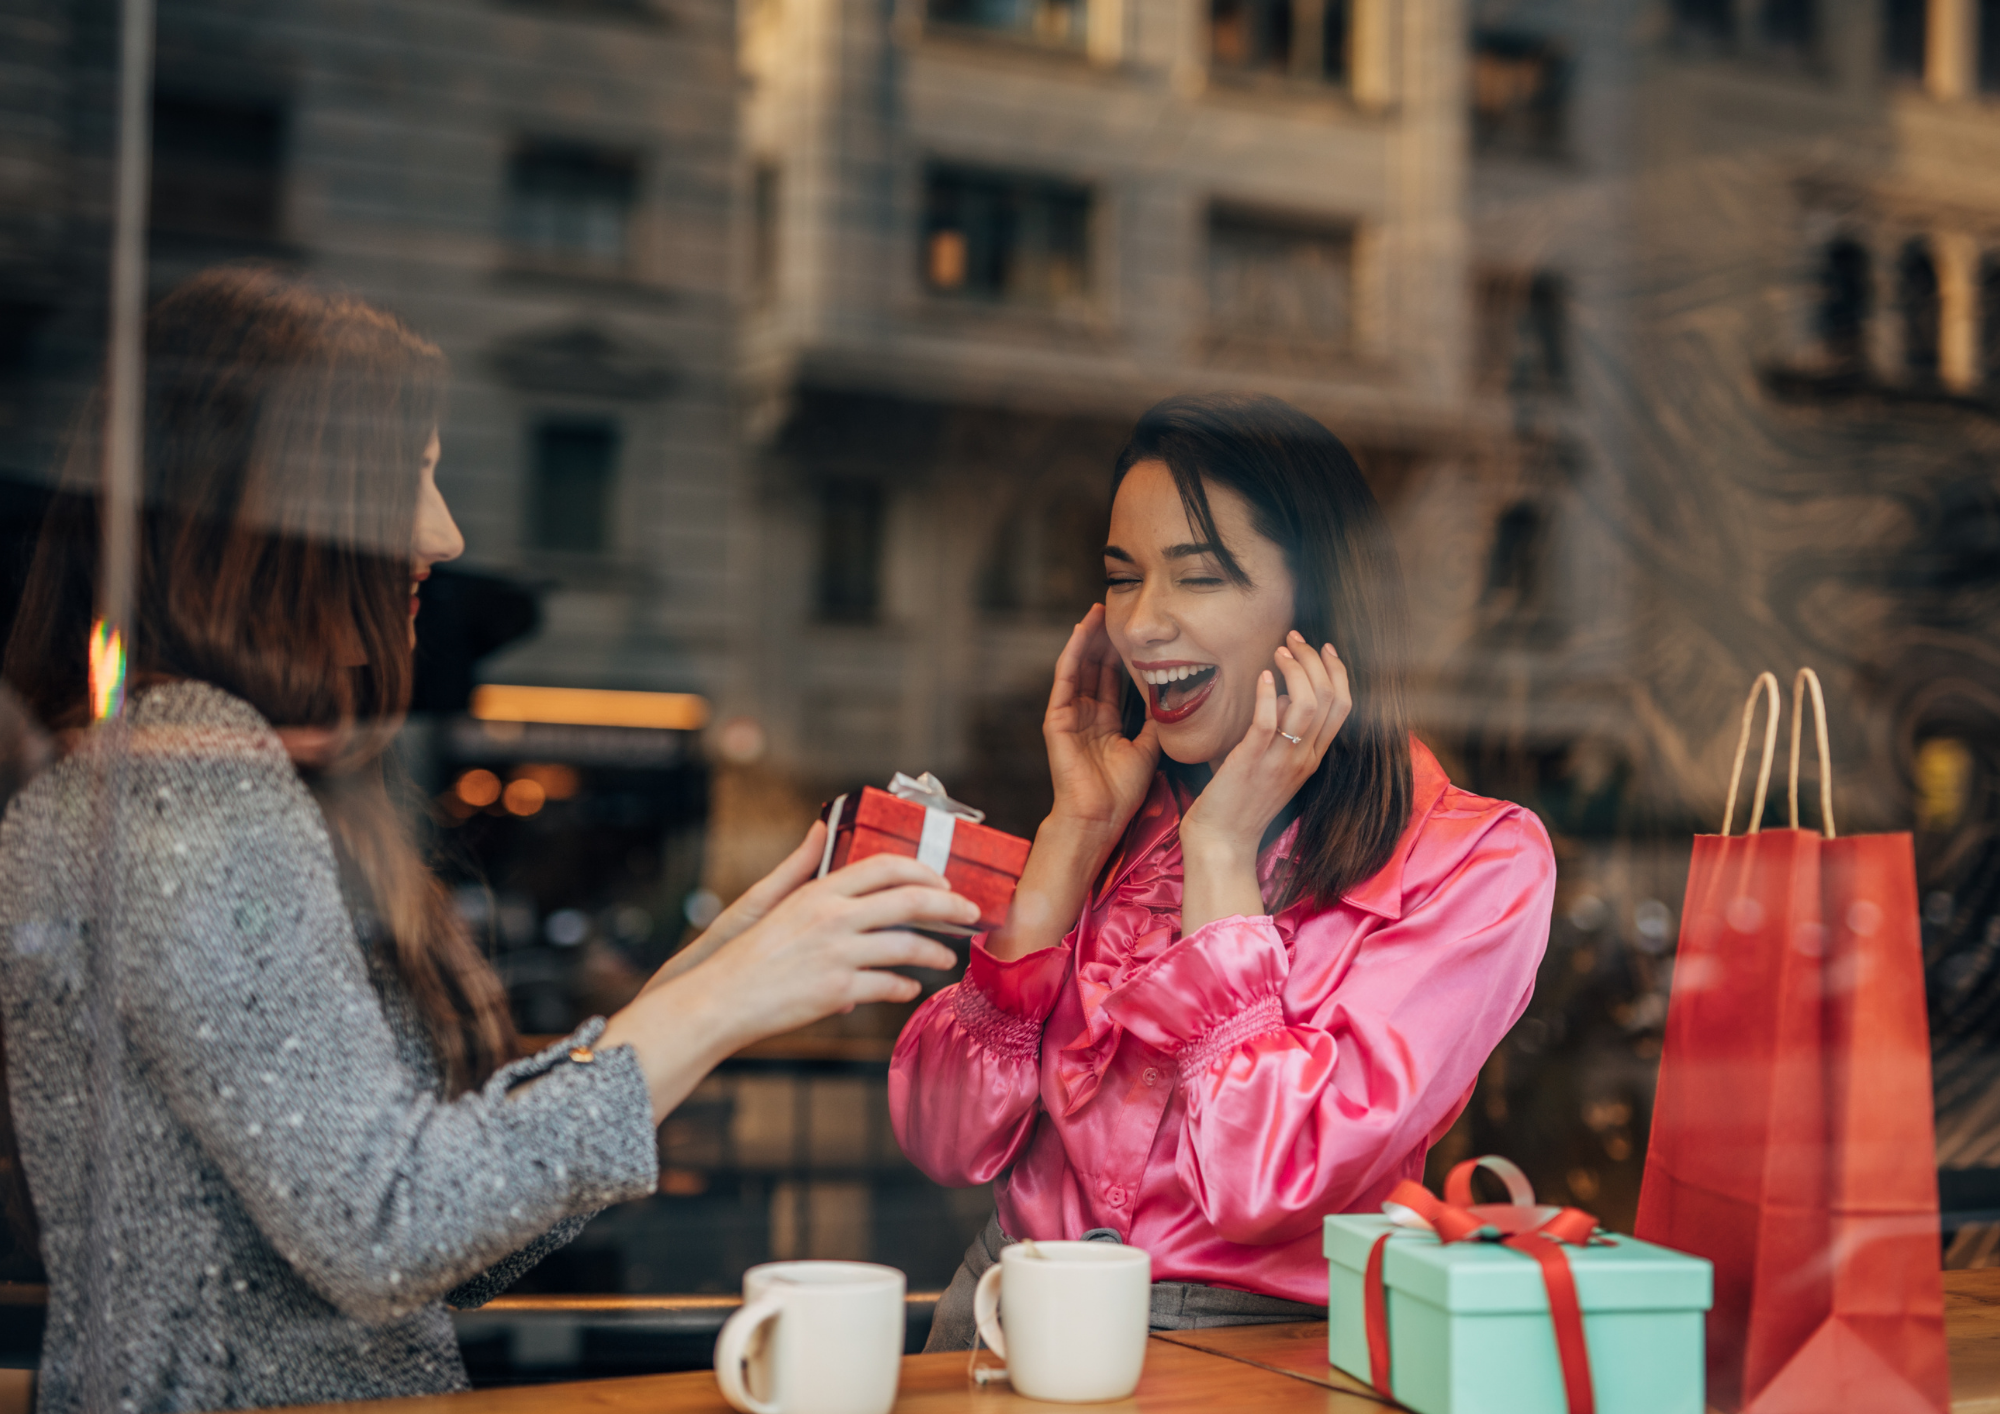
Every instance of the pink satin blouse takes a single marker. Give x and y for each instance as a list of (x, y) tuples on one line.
[(1210, 1097)]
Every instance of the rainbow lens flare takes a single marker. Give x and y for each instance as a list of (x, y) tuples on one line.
[(107, 671)]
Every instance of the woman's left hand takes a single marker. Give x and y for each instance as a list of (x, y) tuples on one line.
[(797, 868), (1222, 830)]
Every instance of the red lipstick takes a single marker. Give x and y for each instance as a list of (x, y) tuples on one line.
[(1168, 716)]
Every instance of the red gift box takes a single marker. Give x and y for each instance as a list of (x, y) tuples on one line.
[(919, 821)]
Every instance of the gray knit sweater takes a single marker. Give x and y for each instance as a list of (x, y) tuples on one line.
[(250, 1189)]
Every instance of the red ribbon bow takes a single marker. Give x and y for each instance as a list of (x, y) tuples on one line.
[(1533, 1230)]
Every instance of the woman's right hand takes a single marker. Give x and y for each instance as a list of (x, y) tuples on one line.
[(1101, 780), (1101, 777), (820, 950)]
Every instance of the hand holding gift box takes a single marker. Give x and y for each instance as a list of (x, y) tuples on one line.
[(1454, 1307), (916, 818)]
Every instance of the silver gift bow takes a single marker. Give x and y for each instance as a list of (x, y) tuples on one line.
[(928, 791), (941, 817)]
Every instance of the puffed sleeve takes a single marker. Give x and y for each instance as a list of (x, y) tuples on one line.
[(964, 1080), (245, 996), (1308, 1085)]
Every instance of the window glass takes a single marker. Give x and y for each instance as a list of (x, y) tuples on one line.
[(1705, 23), (1519, 94), (1905, 37), (1014, 239), (1522, 331), (1789, 28), (1302, 39), (1056, 22), (779, 357), (218, 173), (1989, 319), (1988, 21), (575, 464), (1279, 277), (569, 203), (1846, 300), (1917, 301), (765, 194), (850, 551)]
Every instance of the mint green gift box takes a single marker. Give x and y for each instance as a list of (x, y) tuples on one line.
[(1469, 1329)]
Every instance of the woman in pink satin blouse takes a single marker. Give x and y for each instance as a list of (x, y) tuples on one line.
[(1262, 945)]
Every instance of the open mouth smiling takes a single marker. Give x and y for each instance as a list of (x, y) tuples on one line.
[(1174, 691)]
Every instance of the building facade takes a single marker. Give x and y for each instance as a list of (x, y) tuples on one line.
[(984, 238)]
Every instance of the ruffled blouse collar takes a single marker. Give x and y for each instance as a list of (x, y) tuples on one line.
[(1135, 913), (1134, 917)]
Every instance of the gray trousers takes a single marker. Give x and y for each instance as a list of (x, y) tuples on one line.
[(1177, 1305)]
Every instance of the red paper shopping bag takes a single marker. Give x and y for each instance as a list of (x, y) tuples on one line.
[(1792, 1140)]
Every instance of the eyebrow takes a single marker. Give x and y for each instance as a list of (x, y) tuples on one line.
[(1172, 552)]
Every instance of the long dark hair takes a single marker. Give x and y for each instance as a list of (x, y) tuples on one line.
[(1308, 497), (284, 428)]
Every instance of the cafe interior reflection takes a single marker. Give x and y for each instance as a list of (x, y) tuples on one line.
[(790, 348)]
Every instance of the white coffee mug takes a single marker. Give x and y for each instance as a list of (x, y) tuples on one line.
[(814, 1338), (1072, 1318)]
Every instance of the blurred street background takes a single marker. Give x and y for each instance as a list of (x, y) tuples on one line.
[(793, 340)]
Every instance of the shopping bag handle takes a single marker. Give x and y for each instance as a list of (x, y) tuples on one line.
[(1808, 678), (1767, 683)]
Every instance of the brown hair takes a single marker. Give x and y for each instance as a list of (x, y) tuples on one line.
[(284, 426), (1308, 497)]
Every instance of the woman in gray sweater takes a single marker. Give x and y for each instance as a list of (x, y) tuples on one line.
[(266, 1091)]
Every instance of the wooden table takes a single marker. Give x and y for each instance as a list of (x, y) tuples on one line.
[(1270, 1369), (1178, 1380), (1971, 1328)]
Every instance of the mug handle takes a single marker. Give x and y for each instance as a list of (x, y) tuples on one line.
[(731, 1347), (986, 1310)]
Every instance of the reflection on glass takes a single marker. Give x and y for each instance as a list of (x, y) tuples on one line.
[(1520, 94), (1011, 238), (1053, 22), (1905, 38), (781, 411), (1280, 276), (1303, 39), (571, 485), (570, 203)]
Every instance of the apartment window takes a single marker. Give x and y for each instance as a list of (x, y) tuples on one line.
[(1048, 562), (1056, 22), (764, 194), (1523, 334), (218, 170), (1788, 28), (639, 11), (1008, 238), (1520, 94), (1989, 320), (1905, 37), (1705, 24), (1279, 276), (1917, 302), (1989, 46), (1514, 566), (852, 513), (574, 466), (1846, 300), (569, 203), (1301, 39)]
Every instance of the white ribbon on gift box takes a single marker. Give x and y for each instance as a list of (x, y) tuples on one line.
[(941, 817)]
